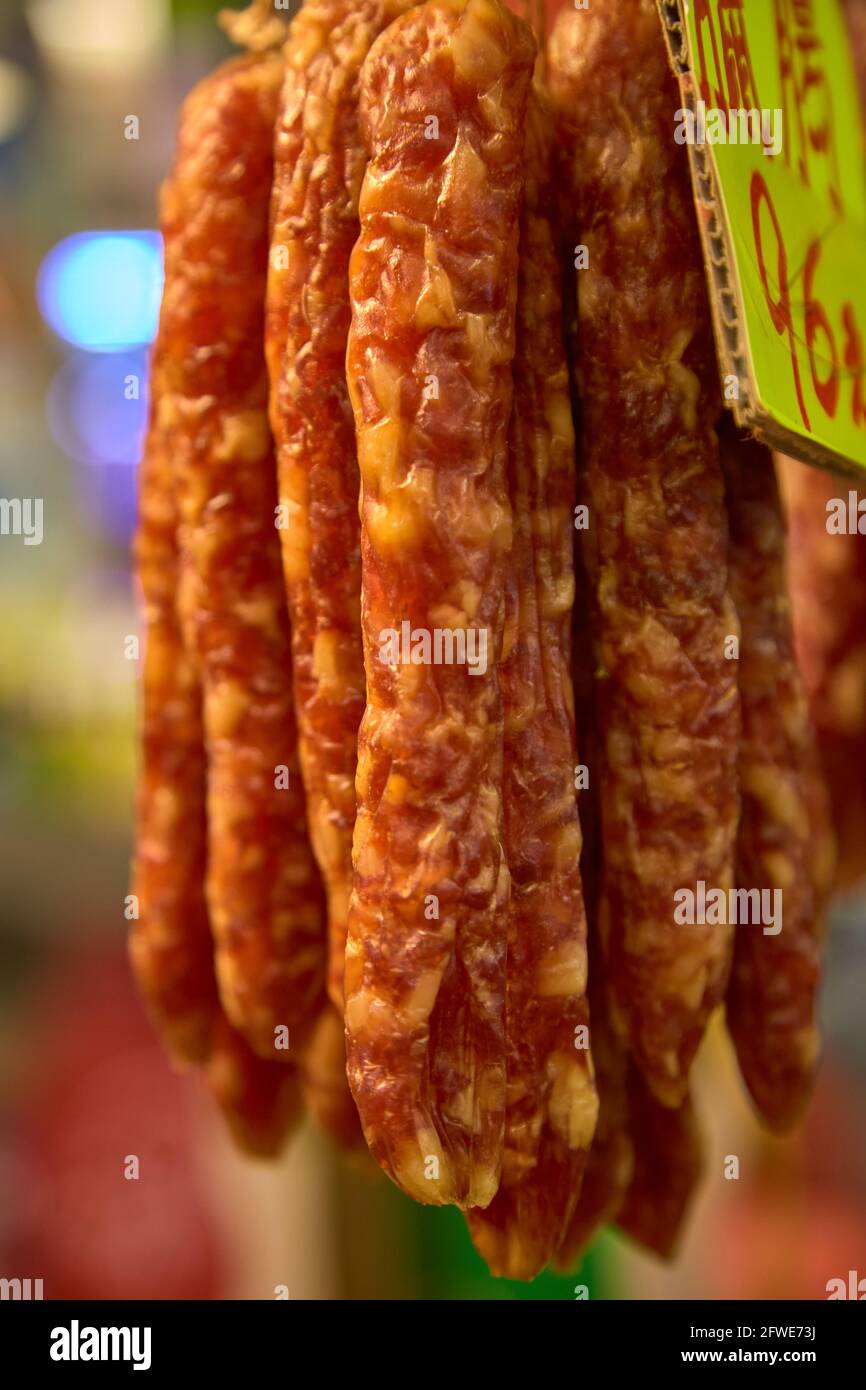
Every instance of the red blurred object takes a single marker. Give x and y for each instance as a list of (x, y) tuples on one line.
[(796, 1220), (767, 1250), (98, 1092)]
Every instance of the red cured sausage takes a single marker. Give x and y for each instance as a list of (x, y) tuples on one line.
[(667, 695), (785, 847), (170, 941), (551, 1099), (263, 890), (319, 160), (433, 285)]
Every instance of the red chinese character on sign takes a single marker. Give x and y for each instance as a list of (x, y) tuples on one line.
[(806, 98), (856, 365), (732, 86)]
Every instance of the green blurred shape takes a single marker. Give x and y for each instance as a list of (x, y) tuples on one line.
[(185, 9), (447, 1266)]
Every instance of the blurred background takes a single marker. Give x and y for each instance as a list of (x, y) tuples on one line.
[(89, 93)]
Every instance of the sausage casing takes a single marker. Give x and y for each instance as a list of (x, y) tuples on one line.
[(648, 379), (170, 941), (551, 1101), (785, 854), (264, 894), (433, 284), (319, 160)]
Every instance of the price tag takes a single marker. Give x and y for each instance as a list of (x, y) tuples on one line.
[(771, 119)]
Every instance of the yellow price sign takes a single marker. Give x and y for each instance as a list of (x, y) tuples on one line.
[(772, 122)]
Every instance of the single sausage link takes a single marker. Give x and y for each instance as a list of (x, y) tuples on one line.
[(649, 395), (319, 161), (433, 285), (170, 941), (668, 1163), (610, 1164), (260, 1101), (171, 944), (827, 583), (326, 1087), (785, 853), (551, 1100), (264, 893)]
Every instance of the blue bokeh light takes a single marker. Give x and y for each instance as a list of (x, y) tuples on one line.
[(97, 406), (97, 412), (101, 290)]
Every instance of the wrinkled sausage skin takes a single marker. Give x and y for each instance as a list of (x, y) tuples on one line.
[(551, 1100), (648, 380), (433, 284), (263, 890), (785, 846)]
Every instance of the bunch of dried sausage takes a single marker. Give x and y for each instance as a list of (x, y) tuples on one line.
[(427, 762)]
